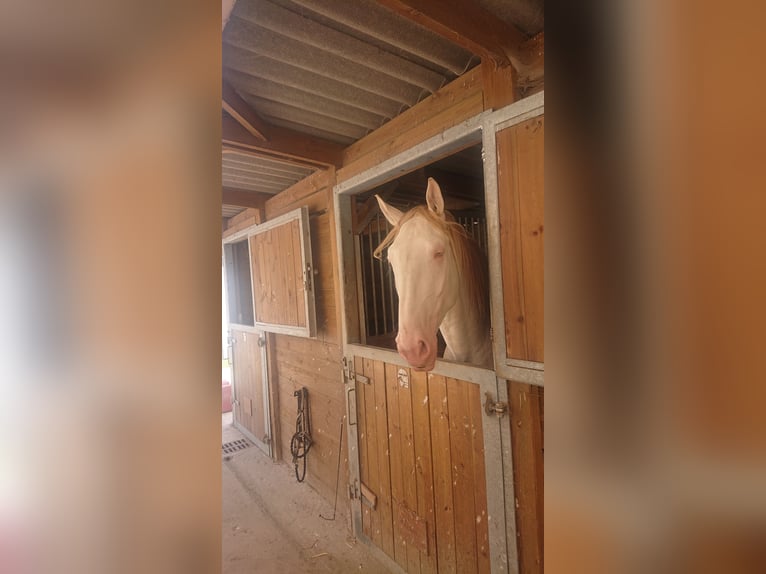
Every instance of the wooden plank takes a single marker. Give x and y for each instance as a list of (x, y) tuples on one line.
[(462, 88), (258, 272), (274, 401), (373, 481), (283, 143), (364, 459), (530, 139), (412, 527), (395, 459), (460, 112), (292, 261), (442, 468), (409, 472), (243, 113), (252, 217), (248, 214), (462, 475), (526, 440), (384, 469), (510, 245), (475, 410), (498, 85), (466, 24), (337, 306), (299, 287), (424, 474), (532, 76), (286, 200)]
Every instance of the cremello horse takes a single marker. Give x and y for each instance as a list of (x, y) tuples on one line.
[(441, 278)]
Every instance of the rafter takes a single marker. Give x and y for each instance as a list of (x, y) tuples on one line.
[(467, 25), (241, 111), (282, 143)]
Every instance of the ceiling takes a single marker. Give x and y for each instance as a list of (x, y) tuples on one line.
[(338, 69)]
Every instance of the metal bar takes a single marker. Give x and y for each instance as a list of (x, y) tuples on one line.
[(359, 288), (391, 288), (461, 371), (452, 139), (379, 266), (518, 111), (374, 291)]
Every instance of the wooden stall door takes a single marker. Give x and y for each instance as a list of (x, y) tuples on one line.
[(250, 382), (422, 468)]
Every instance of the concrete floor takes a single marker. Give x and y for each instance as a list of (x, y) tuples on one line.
[(271, 522)]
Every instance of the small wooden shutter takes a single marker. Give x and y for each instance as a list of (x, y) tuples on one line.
[(283, 275)]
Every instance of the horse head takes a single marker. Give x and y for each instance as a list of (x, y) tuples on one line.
[(426, 274)]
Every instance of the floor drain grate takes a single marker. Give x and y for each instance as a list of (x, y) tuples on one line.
[(234, 446)]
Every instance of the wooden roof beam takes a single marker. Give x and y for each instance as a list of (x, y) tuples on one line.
[(242, 198), (468, 25), (241, 111), (282, 143)]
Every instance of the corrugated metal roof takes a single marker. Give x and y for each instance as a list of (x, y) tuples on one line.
[(266, 175), (337, 70), (248, 172), (231, 210)]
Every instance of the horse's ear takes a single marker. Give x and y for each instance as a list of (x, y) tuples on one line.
[(434, 197), (392, 214)]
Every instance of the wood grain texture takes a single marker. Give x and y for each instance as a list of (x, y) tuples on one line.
[(475, 410), (461, 452), (249, 384), (395, 463), (526, 422), (521, 185), (530, 164), (442, 467), (384, 467), (424, 473)]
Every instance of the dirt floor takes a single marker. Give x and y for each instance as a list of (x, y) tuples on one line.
[(271, 522)]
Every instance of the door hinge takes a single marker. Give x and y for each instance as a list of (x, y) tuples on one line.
[(307, 277), (492, 407)]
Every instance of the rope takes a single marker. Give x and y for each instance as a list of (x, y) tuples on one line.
[(300, 444)]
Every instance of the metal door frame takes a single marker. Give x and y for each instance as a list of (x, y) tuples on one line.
[(497, 446)]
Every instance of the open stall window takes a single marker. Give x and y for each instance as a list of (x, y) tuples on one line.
[(238, 283), (461, 179)]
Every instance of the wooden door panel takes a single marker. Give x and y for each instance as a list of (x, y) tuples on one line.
[(429, 487), (521, 186), (282, 274), (249, 385), (526, 414)]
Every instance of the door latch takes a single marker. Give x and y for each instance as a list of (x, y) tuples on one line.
[(492, 407)]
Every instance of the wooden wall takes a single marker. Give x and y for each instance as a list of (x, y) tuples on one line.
[(296, 362)]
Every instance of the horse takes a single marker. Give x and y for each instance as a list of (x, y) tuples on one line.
[(442, 281)]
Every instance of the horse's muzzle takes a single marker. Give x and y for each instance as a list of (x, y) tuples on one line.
[(417, 352)]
